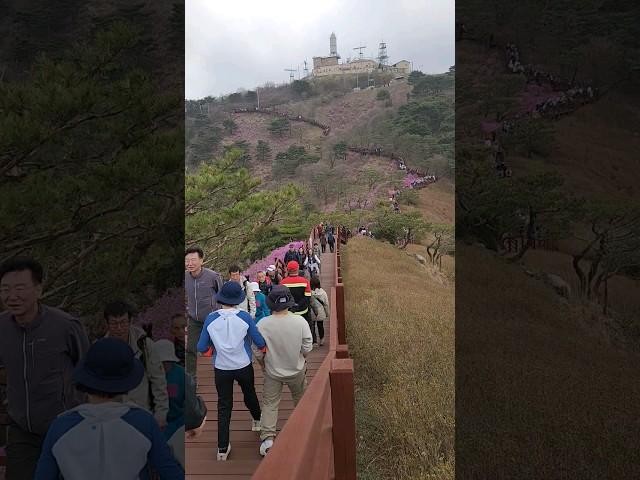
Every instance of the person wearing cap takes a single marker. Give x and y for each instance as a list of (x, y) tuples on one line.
[(289, 340), (106, 438), (291, 254), (300, 290), (262, 310), (177, 381), (229, 331), (273, 275), (175, 378)]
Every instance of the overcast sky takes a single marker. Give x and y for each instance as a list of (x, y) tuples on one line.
[(245, 43)]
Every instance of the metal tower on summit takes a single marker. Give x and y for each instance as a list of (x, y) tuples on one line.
[(333, 45), (382, 54)]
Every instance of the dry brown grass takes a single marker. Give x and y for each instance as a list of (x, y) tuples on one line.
[(437, 202), (538, 396), (400, 327)]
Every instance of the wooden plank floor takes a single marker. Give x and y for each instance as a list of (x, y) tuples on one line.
[(200, 453)]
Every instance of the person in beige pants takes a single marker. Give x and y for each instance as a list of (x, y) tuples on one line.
[(289, 341)]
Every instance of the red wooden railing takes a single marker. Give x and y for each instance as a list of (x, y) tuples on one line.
[(318, 441)]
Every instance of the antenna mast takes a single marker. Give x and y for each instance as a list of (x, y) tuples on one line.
[(382, 54), (360, 49), (291, 76)]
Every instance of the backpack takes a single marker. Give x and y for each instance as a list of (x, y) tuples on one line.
[(142, 345)]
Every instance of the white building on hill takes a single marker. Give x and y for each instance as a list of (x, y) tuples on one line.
[(324, 66)]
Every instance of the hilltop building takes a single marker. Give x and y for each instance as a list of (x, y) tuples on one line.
[(324, 66)]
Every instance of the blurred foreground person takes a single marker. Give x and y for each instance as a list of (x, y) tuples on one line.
[(105, 439), (39, 347)]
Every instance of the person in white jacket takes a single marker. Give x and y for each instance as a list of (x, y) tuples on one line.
[(249, 303), (151, 393), (312, 263), (320, 310)]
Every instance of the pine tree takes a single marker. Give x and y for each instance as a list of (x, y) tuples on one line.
[(263, 151)]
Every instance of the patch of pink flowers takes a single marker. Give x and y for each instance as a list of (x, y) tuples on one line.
[(159, 314)]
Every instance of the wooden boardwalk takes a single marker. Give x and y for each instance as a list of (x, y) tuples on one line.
[(200, 453)]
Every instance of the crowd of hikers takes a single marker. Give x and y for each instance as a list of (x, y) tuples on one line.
[(568, 96), (422, 181), (119, 407), (275, 320), (294, 118)]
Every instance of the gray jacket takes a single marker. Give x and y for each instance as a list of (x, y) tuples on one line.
[(201, 293), (39, 359)]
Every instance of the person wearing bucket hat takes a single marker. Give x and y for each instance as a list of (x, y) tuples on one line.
[(106, 438), (289, 340), (151, 393), (262, 310), (229, 331), (177, 378)]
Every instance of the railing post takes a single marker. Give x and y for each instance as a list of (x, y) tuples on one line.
[(342, 351), (344, 419), (342, 334)]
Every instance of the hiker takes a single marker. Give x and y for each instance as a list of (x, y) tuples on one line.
[(175, 380), (273, 275), (300, 290), (291, 254), (178, 334), (331, 240), (230, 331), (106, 438), (316, 249), (289, 340), (320, 310), (201, 285), (39, 347), (312, 263), (302, 256), (151, 393), (261, 302), (264, 282), (323, 242), (249, 302)]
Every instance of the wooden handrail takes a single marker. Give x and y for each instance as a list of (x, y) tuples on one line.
[(318, 441)]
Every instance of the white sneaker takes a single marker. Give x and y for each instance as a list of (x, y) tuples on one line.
[(223, 456), (266, 445), (255, 426)]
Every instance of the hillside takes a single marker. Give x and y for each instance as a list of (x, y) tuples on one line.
[(332, 181), (537, 382), (546, 147), (400, 330)]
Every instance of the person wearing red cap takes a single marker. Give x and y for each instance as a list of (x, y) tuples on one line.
[(300, 290)]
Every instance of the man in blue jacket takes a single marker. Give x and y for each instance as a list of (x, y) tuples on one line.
[(105, 438), (230, 331)]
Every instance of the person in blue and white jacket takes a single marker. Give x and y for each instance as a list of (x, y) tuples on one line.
[(230, 331), (105, 438)]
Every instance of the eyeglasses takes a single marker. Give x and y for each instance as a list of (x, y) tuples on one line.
[(117, 323)]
